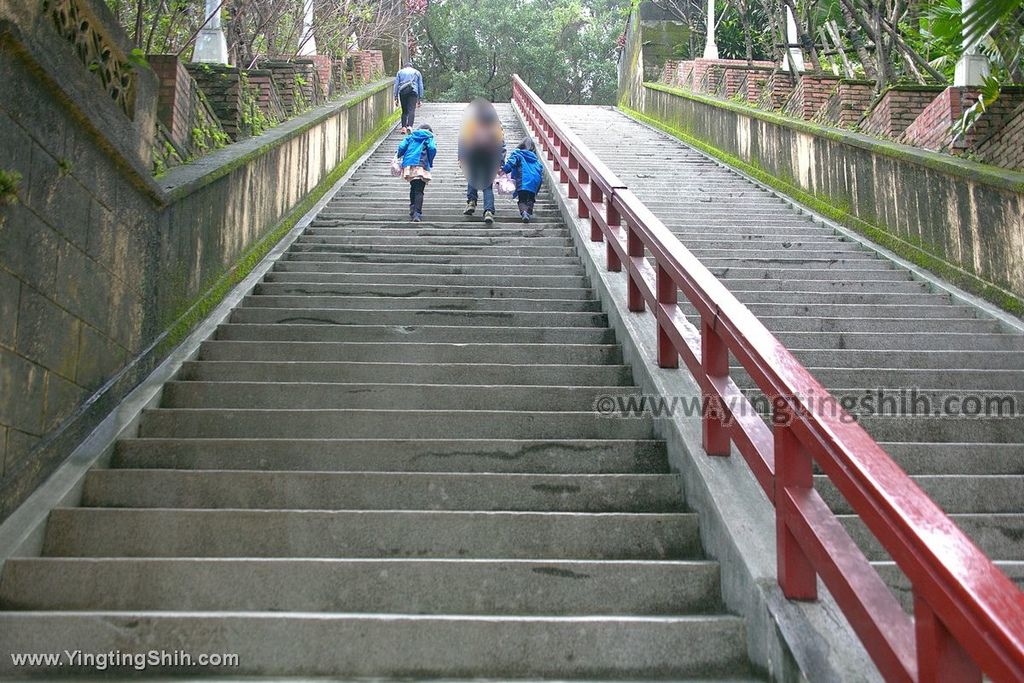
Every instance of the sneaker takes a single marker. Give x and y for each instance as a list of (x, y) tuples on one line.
[(416, 217), (526, 216), (488, 217), (470, 208)]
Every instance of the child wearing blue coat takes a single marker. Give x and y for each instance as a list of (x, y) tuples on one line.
[(417, 152), (527, 171)]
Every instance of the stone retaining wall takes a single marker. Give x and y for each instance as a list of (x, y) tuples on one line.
[(102, 268), (962, 219)]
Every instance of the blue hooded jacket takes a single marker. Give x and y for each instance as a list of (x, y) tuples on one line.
[(526, 170), (418, 149)]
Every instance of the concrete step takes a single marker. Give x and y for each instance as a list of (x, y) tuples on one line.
[(918, 458), (524, 456), (418, 333), (404, 646), (980, 429), (414, 316), (449, 303), (399, 424), (295, 395), (456, 241), (375, 230), (1000, 536), (420, 291), (949, 378), (565, 268), (932, 325), (775, 283), (903, 341), (858, 271), (275, 362), (125, 532), (448, 251), (851, 310), (840, 298), (289, 490), (415, 353), (907, 360), (983, 493), (394, 586), (553, 283)]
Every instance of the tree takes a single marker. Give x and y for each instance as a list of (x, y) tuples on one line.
[(565, 49)]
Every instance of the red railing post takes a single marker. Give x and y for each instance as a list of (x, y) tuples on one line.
[(634, 248), (614, 220), (563, 172), (581, 206), (667, 295), (714, 360), (597, 197), (793, 472), (940, 659), (574, 169)]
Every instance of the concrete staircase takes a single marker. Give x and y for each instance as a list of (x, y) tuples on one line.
[(858, 321), (386, 464)]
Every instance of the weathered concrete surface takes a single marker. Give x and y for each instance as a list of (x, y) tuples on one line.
[(97, 259)]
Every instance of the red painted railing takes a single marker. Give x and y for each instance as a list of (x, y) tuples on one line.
[(968, 616)]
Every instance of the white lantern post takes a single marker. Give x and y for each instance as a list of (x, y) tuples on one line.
[(972, 68), (710, 46), (796, 57), (307, 47), (211, 45)]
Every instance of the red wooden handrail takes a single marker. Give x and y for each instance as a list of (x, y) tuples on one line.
[(968, 616)]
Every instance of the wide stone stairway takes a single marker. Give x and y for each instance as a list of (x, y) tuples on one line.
[(387, 464), (859, 323)]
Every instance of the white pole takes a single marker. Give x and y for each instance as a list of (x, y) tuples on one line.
[(972, 67), (211, 45), (308, 45), (796, 57), (710, 46)]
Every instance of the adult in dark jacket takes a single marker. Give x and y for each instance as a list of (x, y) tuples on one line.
[(417, 152), (526, 169), (408, 94), (481, 154)]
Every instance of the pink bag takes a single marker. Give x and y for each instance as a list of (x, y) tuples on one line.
[(396, 167), (504, 184)]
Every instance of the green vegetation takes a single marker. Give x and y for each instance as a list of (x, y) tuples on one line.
[(9, 182), (565, 49)]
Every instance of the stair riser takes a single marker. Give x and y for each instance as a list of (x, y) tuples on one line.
[(506, 455)]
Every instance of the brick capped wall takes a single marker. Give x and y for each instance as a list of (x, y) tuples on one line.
[(684, 74), (810, 93), (1005, 147), (897, 108), (222, 86), (174, 99), (777, 89), (847, 103), (283, 74), (262, 83)]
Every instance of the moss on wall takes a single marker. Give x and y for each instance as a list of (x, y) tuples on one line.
[(198, 309), (912, 249)]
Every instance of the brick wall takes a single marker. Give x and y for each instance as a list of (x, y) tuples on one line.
[(283, 74), (896, 109), (847, 103), (261, 81), (174, 105), (222, 86), (776, 91), (810, 93), (1005, 147)]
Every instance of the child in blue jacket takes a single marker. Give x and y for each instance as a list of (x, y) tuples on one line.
[(527, 171), (417, 152)]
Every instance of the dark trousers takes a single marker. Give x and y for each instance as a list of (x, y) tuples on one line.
[(526, 201), (408, 100), (416, 190)]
